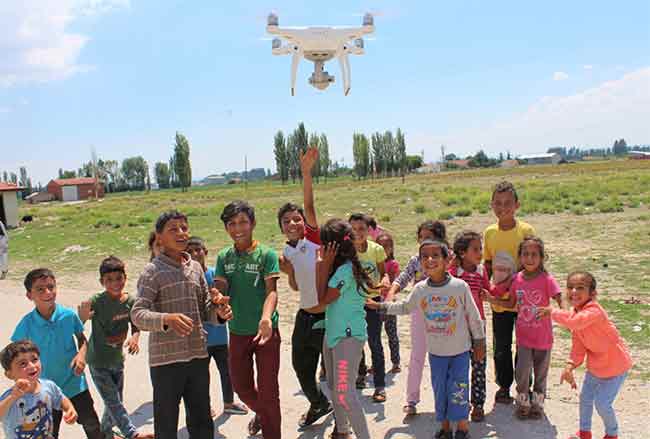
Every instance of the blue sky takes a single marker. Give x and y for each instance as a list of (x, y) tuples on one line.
[(123, 76)]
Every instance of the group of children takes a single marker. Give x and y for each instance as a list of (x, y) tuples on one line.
[(347, 279)]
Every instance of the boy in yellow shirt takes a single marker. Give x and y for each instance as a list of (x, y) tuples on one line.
[(504, 237)]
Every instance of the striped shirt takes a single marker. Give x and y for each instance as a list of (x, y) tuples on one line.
[(167, 286), (477, 280)]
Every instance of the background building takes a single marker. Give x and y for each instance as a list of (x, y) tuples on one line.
[(9, 204), (75, 189)]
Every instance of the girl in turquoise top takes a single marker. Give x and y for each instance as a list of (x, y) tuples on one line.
[(342, 286)]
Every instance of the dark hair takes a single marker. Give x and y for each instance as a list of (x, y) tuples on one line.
[(111, 264), (12, 350), (340, 232), (360, 217), (150, 243), (196, 241), (505, 186), (33, 275), (386, 235), (444, 247), (236, 207), (372, 222), (540, 245), (462, 241), (289, 207), (165, 217), (592, 279), (437, 229)]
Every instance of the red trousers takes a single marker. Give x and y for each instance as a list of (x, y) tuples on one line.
[(263, 398)]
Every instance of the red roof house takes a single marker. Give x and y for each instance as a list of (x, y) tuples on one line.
[(74, 189)]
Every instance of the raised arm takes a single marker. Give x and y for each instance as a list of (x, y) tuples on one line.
[(307, 162)]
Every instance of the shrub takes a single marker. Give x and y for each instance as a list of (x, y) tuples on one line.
[(385, 219), (464, 212), (420, 209), (445, 215)]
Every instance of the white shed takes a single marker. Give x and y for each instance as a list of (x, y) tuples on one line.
[(9, 204)]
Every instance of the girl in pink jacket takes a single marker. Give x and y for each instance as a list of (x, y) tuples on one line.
[(595, 337)]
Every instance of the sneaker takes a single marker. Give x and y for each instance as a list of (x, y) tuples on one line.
[(460, 434), (410, 409), (610, 437), (235, 409), (503, 396), (444, 434), (477, 413), (254, 426), (581, 435), (314, 414)]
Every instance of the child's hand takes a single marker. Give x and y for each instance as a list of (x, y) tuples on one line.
[(133, 344), (543, 311), (286, 266), (372, 304), (179, 323), (224, 310), (23, 386), (484, 294), (478, 352), (84, 311), (215, 295), (264, 332), (78, 363), (567, 376), (308, 160), (70, 415), (327, 253)]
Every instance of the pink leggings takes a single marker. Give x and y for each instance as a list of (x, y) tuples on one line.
[(418, 355)]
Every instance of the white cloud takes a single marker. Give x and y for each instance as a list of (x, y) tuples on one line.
[(560, 76), (588, 67), (593, 117), (36, 44)]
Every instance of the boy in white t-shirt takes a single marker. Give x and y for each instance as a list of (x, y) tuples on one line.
[(298, 261)]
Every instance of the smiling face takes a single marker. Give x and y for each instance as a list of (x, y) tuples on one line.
[(240, 228), (293, 225), (43, 294), (114, 283), (578, 289), (504, 206), (433, 261), (530, 257), (26, 366), (474, 253), (360, 231), (197, 252), (173, 239), (387, 243)]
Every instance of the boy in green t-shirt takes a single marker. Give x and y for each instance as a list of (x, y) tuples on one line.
[(248, 272), (373, 257), (110, 314), (502, 239)]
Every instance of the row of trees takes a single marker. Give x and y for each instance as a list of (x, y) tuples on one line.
[(133, 173), (20, 179), (574, 153), (287, 151), (381, 155)]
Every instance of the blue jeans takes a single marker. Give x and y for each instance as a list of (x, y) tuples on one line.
[(450, 382), (110, 385), (600, 392)]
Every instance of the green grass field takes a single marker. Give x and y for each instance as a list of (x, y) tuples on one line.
[(592, 216)]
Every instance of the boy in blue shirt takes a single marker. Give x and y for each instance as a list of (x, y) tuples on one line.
[(217, 334), (52, 327), (26, 408)]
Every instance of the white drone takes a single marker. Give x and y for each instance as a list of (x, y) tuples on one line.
[(320, 44)]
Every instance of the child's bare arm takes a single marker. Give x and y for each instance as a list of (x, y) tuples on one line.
[(21, 386), (69, 412), (78, 363), (307, 162), (265, 329)]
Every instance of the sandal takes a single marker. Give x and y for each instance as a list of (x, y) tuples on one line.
[(314, 415), (396, 369), (461, 434), (379, 396), (254, 426), (410, 410), (444, 434), (477, 414), (336, 435), (503, 396)]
